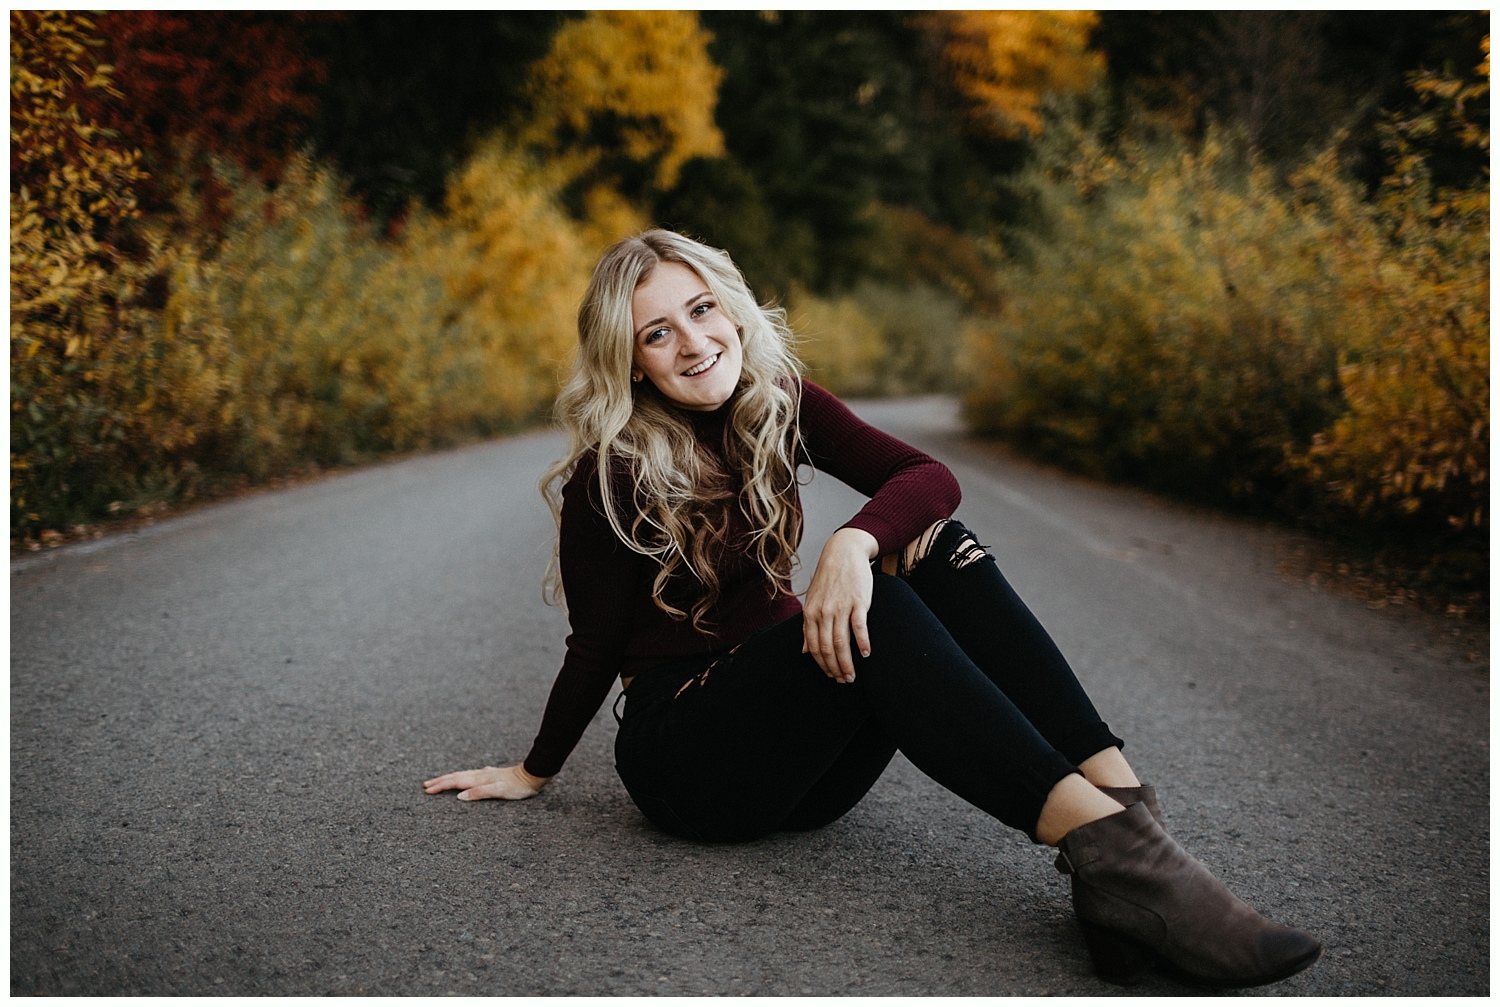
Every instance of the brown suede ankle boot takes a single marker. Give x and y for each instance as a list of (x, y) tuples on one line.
[(1135, 891), (1125, 796)]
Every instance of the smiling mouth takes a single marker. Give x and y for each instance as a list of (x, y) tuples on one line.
[(702, 367)]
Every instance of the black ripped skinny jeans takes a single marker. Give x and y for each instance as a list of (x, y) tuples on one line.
[(961, 678)]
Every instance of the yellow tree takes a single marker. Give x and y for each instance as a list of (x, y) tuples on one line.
[(70, 187), (619, 93), (514, 266), (1004, 61), (1415, 279), (637, 85)]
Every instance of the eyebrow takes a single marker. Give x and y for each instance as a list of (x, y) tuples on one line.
[(690, 301)]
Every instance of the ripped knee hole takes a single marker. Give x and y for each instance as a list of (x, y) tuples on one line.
[(964, 552)]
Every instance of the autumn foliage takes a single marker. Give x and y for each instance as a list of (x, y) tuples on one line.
[(1183, 317), (1006, 61), (238, 84), (243, 244), (283, 330), (72, 192), (613, 88), (1414, 442)]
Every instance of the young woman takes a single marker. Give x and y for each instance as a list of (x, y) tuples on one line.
[(745, 712)]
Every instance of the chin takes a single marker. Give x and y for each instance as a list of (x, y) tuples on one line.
[(705, 397), (704, 401), (719, 397)]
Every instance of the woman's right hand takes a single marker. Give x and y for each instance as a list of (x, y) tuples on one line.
[(509, 783)]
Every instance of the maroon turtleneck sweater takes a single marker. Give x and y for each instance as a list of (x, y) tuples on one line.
[(617, 628)]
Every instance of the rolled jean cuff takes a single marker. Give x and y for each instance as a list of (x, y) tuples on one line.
[(1087, 741)]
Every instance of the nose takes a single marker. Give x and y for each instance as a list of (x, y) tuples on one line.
[(692, 343)]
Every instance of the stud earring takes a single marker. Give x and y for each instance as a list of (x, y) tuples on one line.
[(636, 377)]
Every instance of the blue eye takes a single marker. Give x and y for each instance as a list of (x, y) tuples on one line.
[(655, 336), (702, 308)]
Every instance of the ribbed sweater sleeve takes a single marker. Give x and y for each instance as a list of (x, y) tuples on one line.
[(600, 577), (908, 489)]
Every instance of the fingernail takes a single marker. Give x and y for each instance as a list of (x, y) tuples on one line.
[(463, 796)]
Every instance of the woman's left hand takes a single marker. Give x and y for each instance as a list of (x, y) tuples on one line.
[(838, 599), (509, 783)]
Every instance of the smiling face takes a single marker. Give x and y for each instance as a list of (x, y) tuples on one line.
[(684, 343)]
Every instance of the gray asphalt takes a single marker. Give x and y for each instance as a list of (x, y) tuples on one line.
[(219, 724)]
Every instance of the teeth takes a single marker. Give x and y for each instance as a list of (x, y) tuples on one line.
[(702, 367)]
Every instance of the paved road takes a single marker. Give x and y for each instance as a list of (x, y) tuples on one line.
[(218, 726)]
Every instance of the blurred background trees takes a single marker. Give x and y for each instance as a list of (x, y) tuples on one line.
[(1243, 312), (1237, 255)]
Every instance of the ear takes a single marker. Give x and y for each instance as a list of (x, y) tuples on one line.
[(637, 375)]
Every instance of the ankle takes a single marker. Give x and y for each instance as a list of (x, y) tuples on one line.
[(1108, 769), (1073, 802)]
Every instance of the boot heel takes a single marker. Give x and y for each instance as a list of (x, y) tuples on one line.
[(1117, 958)]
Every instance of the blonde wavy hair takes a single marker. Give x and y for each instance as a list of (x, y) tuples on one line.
[(677, 512)]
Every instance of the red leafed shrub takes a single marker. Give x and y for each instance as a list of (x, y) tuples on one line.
[(238, 84)]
